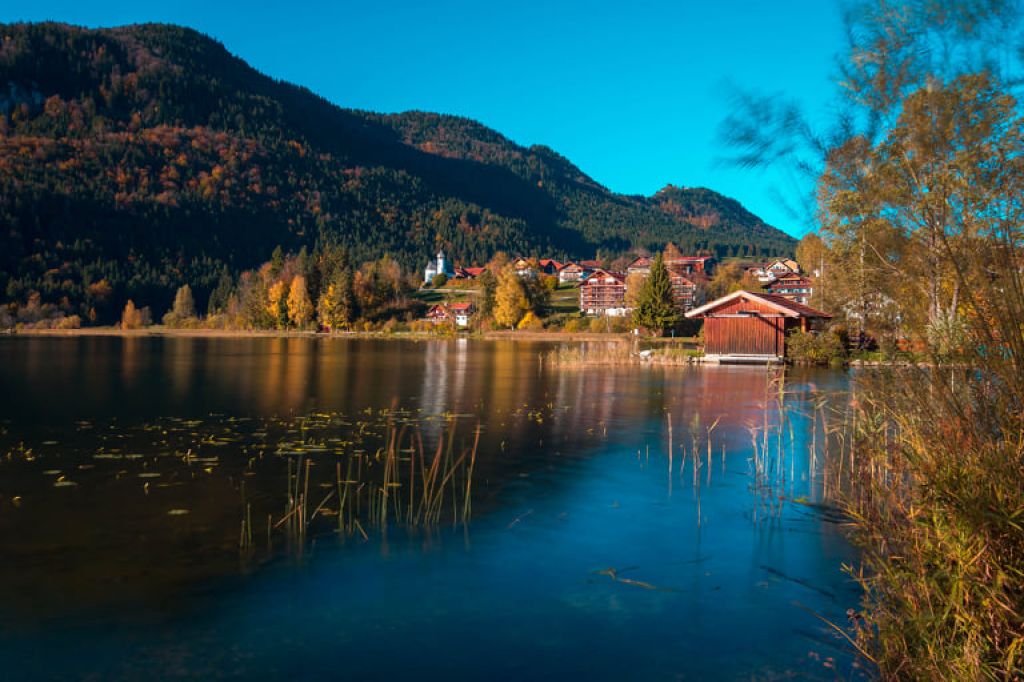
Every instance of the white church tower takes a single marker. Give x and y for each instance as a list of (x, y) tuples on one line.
[(439, 266)]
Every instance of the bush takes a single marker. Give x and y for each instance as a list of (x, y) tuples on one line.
[(826, 348), (530, 322), (572, 325), (439, 280)]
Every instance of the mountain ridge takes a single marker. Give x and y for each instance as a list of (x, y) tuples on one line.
[(149, 155)]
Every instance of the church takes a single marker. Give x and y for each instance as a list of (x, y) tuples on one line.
[(438, 267)]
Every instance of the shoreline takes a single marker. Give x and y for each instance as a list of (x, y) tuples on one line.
[(170, 332)]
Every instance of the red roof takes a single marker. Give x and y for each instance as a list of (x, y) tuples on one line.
[(590, 264), (544, 262), (474, 272), (458, 307), (799, 308), (781, 303), (599, 273)]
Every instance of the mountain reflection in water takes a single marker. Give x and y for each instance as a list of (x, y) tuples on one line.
[(585, 554)]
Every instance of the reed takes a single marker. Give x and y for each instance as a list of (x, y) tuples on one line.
[(399, 484)]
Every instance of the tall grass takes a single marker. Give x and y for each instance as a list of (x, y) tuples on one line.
[(935, 490), (401, 484)]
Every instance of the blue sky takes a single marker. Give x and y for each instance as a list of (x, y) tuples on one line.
[(633, 93)]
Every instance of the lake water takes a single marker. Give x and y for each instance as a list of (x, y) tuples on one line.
[(130, 468)]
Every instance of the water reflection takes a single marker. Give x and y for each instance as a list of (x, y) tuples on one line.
[(573, 516)]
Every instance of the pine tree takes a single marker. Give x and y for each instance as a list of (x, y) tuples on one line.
[(488, 288), (336, 308), (221, 294), (656, 310)]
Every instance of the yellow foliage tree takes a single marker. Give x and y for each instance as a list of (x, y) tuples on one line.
[(530, 321), (275, 303), (300, 308), (510, 301)]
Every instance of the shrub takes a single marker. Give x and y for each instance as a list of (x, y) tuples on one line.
[(439, 280), (815, 349), (530, 322)]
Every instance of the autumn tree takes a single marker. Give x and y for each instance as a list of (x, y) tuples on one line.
[(277, 305), (634, 285), (730, 277), (183, 311), (134, 318), (300, 308), (510, 302)]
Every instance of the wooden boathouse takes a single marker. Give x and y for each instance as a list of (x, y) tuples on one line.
[(752, 327)]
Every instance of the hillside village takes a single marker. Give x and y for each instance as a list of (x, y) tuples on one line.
[(599, 289)]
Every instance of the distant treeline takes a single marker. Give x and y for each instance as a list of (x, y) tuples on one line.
[(138, 159)]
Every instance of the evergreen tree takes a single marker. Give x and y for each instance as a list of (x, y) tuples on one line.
[(488, 287), (221, 294), (276, 261), (656, 310)]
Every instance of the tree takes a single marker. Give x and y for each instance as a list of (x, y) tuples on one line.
[(510, 302), (336, 308), (276, 306), (656, 309), (134, 318), (488, 287), (300, 309), (221, 294), (439, 280), (184, 304), (634, 285), (276, 261), (183, 311)]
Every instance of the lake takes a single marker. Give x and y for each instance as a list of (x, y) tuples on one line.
[(150, 491)]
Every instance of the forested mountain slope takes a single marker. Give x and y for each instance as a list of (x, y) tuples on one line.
[(133, 159)]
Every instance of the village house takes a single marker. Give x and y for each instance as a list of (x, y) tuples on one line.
[(525, 267), (437, 314), (572, 272), (701, 266), (460, 313), (550, 266), (684, 291), (603, 293), (792, 286), (640, 266), (469, 273), (751, 327), (771, 271)]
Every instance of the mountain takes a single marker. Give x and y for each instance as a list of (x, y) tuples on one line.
[(136, 158)]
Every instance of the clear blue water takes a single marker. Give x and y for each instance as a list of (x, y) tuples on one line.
[(585, 556)]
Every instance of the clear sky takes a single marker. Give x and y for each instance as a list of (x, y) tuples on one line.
[(631, 92)]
